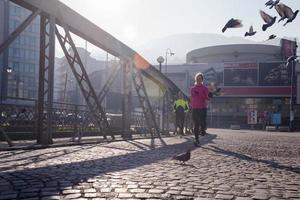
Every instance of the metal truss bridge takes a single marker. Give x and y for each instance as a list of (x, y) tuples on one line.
[(59, 21)]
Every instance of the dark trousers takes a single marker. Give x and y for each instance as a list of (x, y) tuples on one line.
[(179, 121), (199, 118)]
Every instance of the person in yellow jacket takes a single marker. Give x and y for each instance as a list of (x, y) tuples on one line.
[(181, 106)]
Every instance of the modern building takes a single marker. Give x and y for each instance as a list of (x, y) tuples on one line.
[(255, 83), (22, 56)]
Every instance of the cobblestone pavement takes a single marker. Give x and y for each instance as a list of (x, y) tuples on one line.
[(229, 164)]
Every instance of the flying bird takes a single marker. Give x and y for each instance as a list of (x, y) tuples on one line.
[(251, 32), (289, 14), (280, 10), (271, 37), (272, 3), (291, 59), (232, 23), (269, 21), (183, 157)]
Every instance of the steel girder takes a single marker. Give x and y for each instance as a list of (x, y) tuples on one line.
[(46, 80), (127, 99), (144, 100), (83, 81)]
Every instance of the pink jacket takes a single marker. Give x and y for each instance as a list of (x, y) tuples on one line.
[(199, 96)]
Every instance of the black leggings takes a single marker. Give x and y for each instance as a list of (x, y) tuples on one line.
[(199, 118), (179, 121)]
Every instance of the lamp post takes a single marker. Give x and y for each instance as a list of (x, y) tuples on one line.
[(168, 52), (9, 70), (292, 60), (160, 60)]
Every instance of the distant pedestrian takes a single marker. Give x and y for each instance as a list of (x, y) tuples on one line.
[(199, 102), (181, 106)]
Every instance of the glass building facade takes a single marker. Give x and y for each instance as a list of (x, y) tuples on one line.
[(22, 56)]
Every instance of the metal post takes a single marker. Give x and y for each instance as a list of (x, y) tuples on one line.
[(127, 100), (292, 98), (46, 80)]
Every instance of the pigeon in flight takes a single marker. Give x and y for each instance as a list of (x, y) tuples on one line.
[(251, 32), (289, 14), (232, 23), (291, 59), (269, 21), (272, 3), (183, 157), (271, 37), (280, 10)]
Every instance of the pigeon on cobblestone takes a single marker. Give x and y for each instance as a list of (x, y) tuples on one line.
[(183, 157)]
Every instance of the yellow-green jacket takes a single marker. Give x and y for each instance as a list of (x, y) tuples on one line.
[(181, 105)]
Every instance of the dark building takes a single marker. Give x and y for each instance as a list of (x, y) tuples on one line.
[(19, 63)]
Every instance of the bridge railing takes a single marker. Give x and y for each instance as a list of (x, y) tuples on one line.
[(19, 121)]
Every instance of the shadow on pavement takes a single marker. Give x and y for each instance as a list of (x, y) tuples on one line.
[(269, 163), (83, 170)]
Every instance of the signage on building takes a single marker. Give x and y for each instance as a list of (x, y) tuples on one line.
[(252, 117), (274, 74), (276, 119), (240, 74), (288, 48)]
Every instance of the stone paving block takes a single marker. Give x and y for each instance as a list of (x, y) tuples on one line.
[(8, 196), (72, 196), (90, 195), (125, 195), (51, 198), (137, 190), (224, 196)]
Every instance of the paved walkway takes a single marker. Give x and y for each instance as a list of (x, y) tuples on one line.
[(229, 164)]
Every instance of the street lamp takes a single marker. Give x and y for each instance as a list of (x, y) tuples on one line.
[(292, 60), (9, 70), (160, 60), (168, 52)]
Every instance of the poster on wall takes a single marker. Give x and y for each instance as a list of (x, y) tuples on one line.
[(240, 74), (252, 117), (274, 74)]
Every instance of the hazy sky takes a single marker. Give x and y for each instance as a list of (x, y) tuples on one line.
[(136, 22)]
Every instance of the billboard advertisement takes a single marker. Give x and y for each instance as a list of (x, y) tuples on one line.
[(240, 74), (275, 74)]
